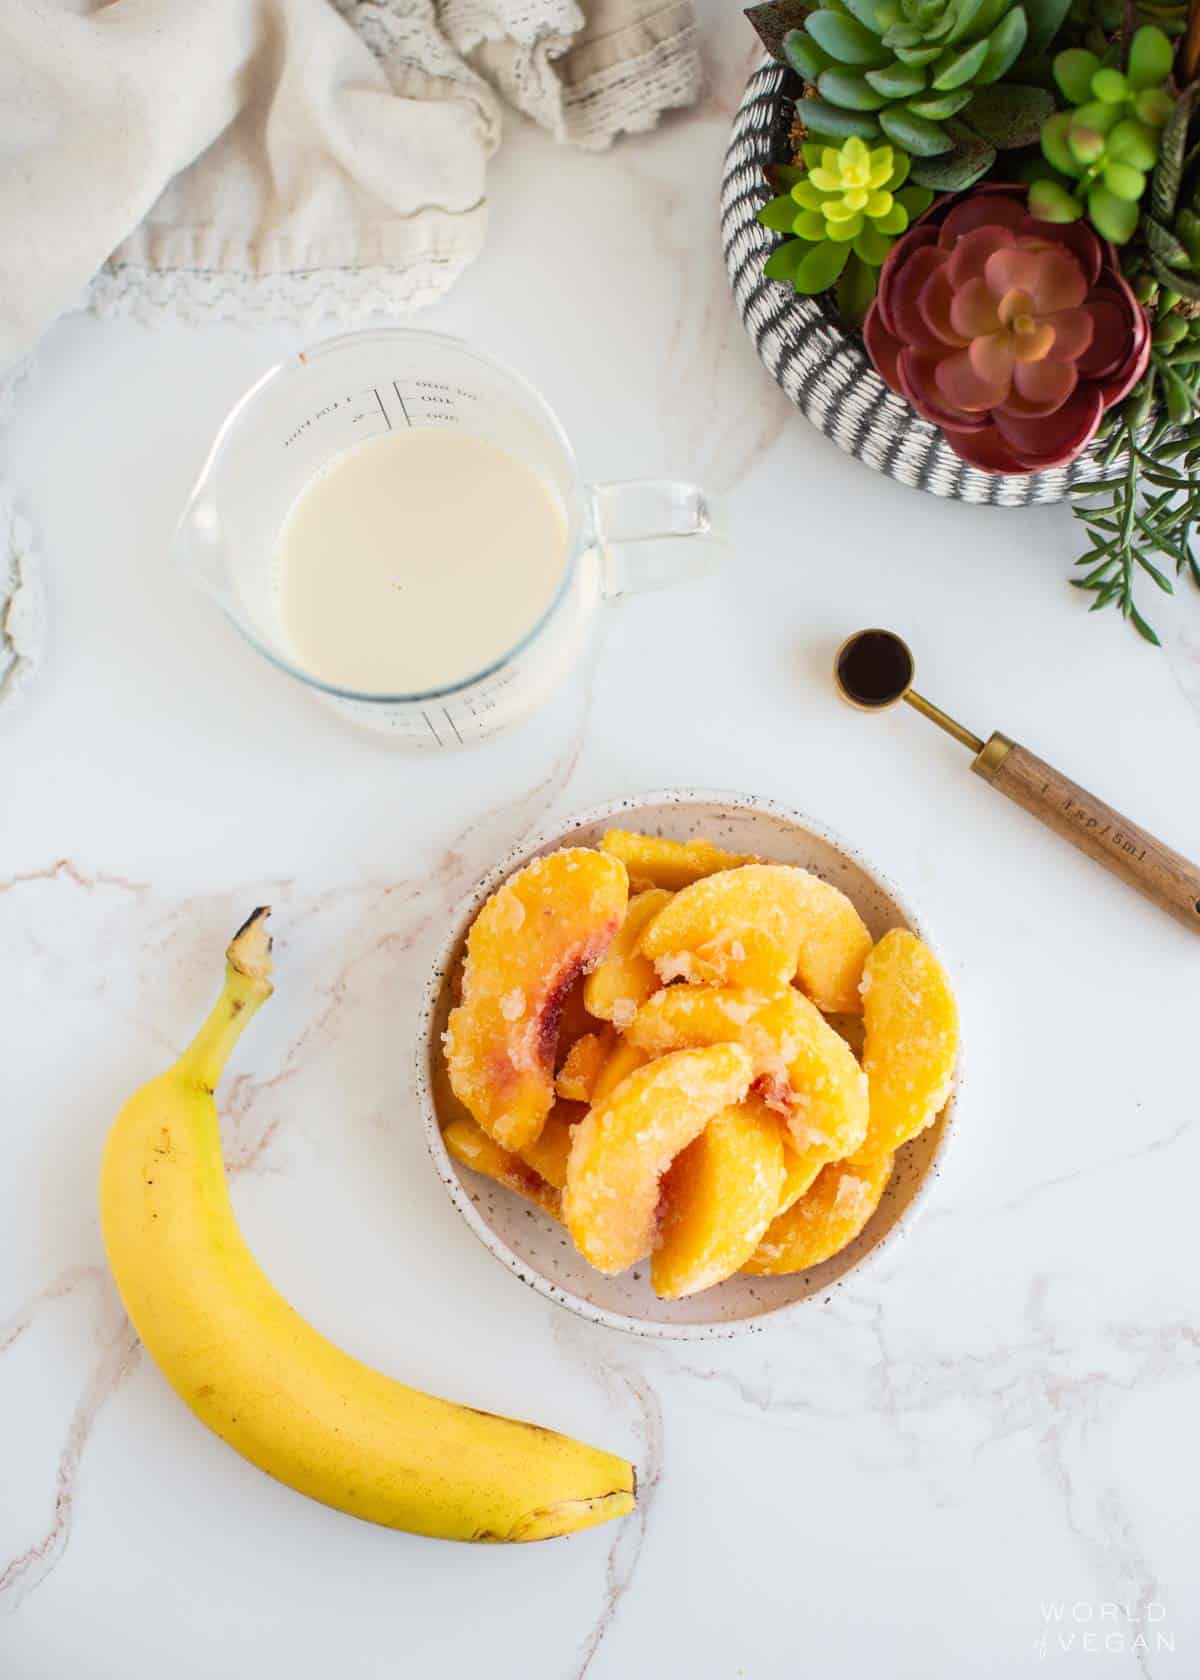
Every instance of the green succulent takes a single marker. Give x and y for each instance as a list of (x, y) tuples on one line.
[(902, 68), (844, 210), (1103, 148)]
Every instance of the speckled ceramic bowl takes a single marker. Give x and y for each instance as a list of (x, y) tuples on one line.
[(537, 1249)]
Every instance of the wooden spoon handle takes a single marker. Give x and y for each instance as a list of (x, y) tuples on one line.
[(1171, 881)]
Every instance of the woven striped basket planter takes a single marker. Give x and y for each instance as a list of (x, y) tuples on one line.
[(822, 367)]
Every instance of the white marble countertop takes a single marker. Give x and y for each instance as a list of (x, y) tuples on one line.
[(993, 1431)]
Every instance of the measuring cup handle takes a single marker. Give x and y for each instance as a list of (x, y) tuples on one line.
[(638, 525)]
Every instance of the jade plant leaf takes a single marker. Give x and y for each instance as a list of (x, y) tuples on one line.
[(1133, 143), (964, 23), (877, 15), (919, 55), (802, 54), (1073, 71), (1050, 202), (899, 81), (849, 91), (1008, 114), (1110, 86), (968, 160), (846, 40), (917, 135), (1115, 218), (938, 106), (819, 117), (957, 68), (1045, 19), (1125, 181), (1151, 55), (1004, 47), (1055, 149)]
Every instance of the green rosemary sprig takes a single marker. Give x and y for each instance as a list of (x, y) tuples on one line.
[(1149, 512)]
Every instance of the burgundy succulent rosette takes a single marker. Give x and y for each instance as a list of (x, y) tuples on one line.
[(1011, 334)]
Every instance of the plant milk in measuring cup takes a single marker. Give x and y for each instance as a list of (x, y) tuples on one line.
[(397, 522)]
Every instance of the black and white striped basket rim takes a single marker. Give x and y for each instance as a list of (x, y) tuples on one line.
[(823, 369)]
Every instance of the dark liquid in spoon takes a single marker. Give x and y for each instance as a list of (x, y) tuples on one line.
[(874, 668)]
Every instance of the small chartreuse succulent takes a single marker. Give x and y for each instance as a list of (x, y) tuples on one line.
[(1103, 149), (845, 210)]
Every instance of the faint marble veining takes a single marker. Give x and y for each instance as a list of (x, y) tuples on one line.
[(64, 869), (373, 920), (1053, 1380), (1073, 1178), (622, 1382), (119, 1350)]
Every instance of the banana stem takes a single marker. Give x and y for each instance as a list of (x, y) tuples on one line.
[(247, 986)]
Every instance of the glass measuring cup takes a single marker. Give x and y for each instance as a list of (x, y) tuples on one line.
[(620, 538)]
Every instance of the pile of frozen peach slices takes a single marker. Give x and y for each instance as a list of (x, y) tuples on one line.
[(659, 1044)]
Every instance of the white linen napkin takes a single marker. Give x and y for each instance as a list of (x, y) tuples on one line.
[(290, 158)]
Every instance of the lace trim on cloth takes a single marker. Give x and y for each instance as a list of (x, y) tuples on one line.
[(298, 297), (586, 80), (607, 94)]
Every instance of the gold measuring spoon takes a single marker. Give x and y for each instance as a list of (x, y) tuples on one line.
[(874, 668)]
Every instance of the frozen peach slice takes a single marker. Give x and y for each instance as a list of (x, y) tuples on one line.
[(669, 863), (800, 1170), (834, 943), (576, 1078), (911, 1040), (718, 1198), (802, 1067), (849, 1027), (822, 1222), (622, 1148), (574, 1022), (548, 1152), (625, 979), (470, 1145), (533, 939), (763, 925), (625, 1059)]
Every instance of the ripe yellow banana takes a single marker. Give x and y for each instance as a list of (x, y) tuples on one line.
[(260, 1376)]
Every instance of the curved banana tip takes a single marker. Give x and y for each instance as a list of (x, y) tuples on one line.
[(249, 950), (570, 1516)]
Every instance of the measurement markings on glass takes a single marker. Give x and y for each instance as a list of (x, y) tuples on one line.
[(383, 410), (400, 400), (453, 725), (432, 729)]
